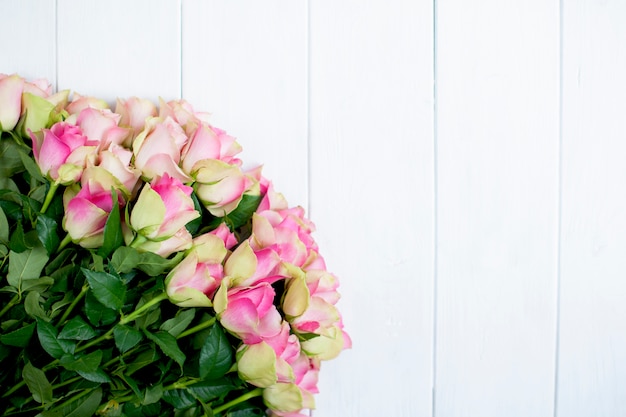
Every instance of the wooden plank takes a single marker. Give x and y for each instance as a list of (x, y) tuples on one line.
[(372, 197), (592, 338), (27, 51), (497, 219), (245, 62), (120, 48)]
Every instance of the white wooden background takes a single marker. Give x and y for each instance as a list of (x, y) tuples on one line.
[(464, 163)]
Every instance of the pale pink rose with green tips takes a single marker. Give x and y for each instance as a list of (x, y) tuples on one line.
[(269, 361), (87, 210), (101, 125), (40, 110), (80, 102), (193, 282), (162, 209), (11, 88), (248, 312), (179, 242), (63, 152), (286, 397), (134, 112), (183, 113), (257, 363), (157, 149), (117, 160), (219, 186), (208, 142), (287, 232)]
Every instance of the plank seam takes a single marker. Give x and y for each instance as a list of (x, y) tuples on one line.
[(435, 211), (307, 109), (56, 45), (559, 216)]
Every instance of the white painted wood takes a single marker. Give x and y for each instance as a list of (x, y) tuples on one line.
[(344, 90), (27, 32), (246, 63), (120, 48), (497, 210), (372, 199), (592, 338)]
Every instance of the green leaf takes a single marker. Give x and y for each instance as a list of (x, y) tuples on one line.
[(210, 390), (107, 288), (246, 410), (47, 233), (193, 226), (244, 211), (98, 314), (33, 307), (26, 265), (132, 384), (4, 227), (85, 363), (19, 337), (142, 360), (125, 259), (98, 376), (39, 285), (179, 398), (10, 162), (167, 343), (86, 407), (153, 394), (55, 347), (126, 337), (113, 236), (31, 166), (178, 324), (153, 264), (216, 355), (37, 383), (59, 261), (77, 329)]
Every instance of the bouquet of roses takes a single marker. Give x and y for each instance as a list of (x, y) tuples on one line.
[(143, 272)]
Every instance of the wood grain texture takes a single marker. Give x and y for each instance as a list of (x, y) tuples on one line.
[(497, 220), (592, 354), (120, 48), (27, 38), (246, 63), (372, 180)]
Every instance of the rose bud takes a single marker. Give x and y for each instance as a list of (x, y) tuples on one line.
[(11, 87), (162, 209), (62, 152)]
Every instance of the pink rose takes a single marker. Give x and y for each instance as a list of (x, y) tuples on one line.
[(87, 210), (287, 232), (11, 87), (209, 143), (79, 103), (179, 242), (116, 160), (134, 112), (157, 149), (193, 282), (100, 125), (248, 312), (39, 87), (162, 209), (224, 233), (62, 152), (183, 113), (219, 185)]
